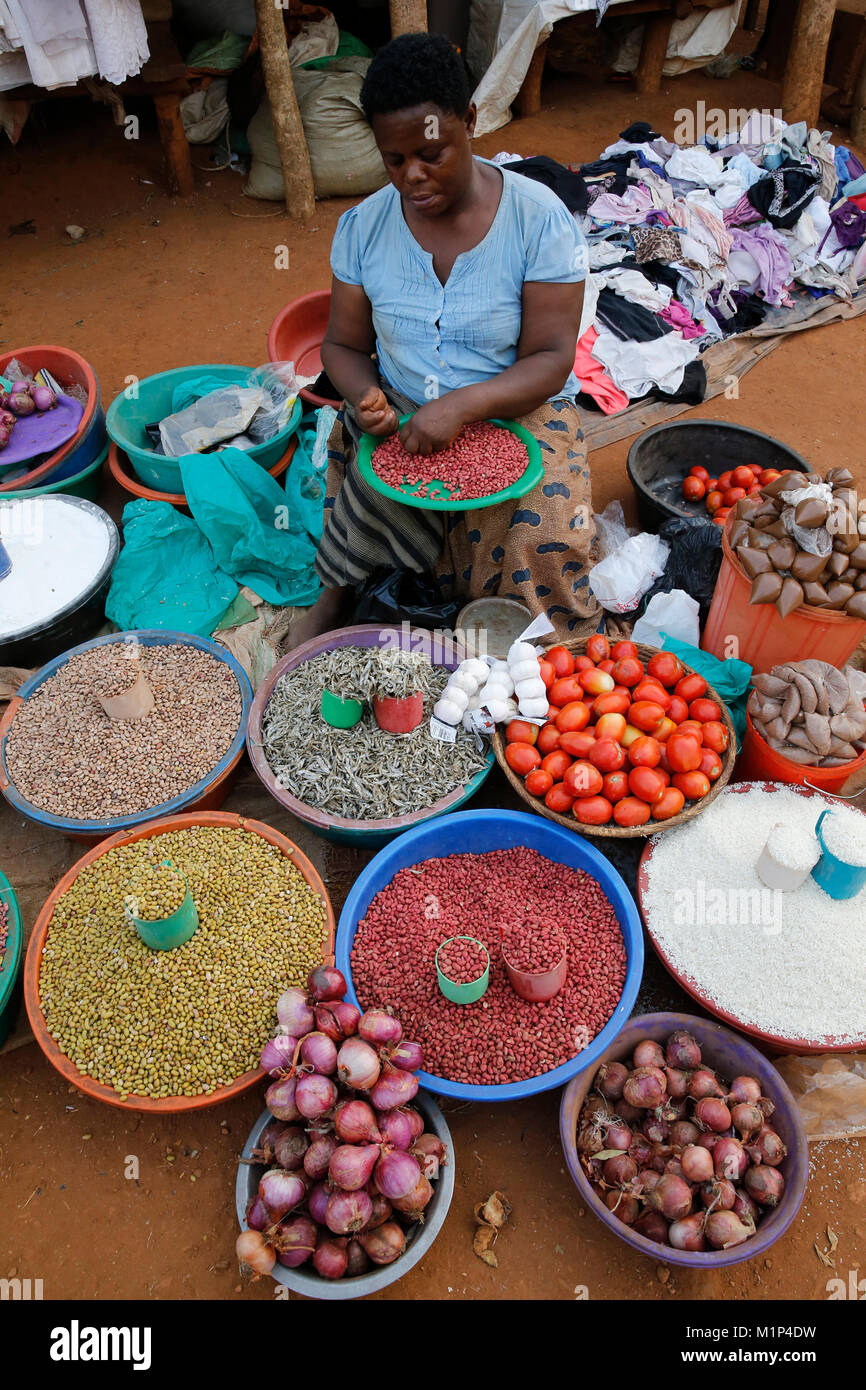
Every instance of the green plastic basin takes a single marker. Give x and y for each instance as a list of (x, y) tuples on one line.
[(10, 966), (529, 478)]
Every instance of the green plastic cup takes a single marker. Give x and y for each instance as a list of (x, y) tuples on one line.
[(340, 713), (473, 991), (166, 933)]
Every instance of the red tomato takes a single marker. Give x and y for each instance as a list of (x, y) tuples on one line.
[(645, 715), (652, 690), (742, 476), (583, 779), (670, 803), (607, 755), (538, 782), (693, 727), (578, 743), (521, 731), (598, 647), (548, 739), (733, 495), (561, 660), (753, 491), (645, 751), (693, 785), (631, 811), (631, 733), (592, 810), (556, 763), (664, 762), (558, 799), (522, 758), (628, 671), (583, 663), (712, 483), (665, 776), (612, 703), (646, 784), (665, 668), (620, 650), (756, 469), (611, 726), (664, 729), (566, 689), (615, 786), (711, 764), (698, 472), (573, 716), (597, 682), (715, 736), (607, 665), (553, 711), (677, 710), (547, 672), (768, 475), (684, 752), (693, 489), (713, 500), (690, 687), (721, 516), (725, 479), (707, 711)]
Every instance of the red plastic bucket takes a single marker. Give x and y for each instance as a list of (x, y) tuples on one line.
[(758, 762), (399, 716), (755, 633)]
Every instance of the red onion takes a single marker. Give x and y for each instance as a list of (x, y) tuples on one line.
[(682, 1051), (430, 1153), (648, 1054), (396, 1128), (713, 1114), (673, 1165), (688, 1234), (352, 1164), (21, 402), (703, 1083), (630, 1113), (294, 1014), (408, 1056), (326, 983), (414, 1204), (678, 1083), (767, 1147), (318, 1156), (254, 1253), (278, 1054), (355, 1123), (280, 1192), (643, 1088), (683, 1132), (317, 1201), (589, 1140), (358, 1065), (319, 1052), (382, 1210), (623, 1206), (656, 1130), (719, 1194), (416, 1119), (745, 1208), (697, 1164), (745, 1090), (44, 398), (671, 1197), (730, 1159), (379, 1028), (330, 1258), (347, 1212), (646, 1180), (652, 1225), (264, 1150), (295, 1241), (315, 1095), (610, 1079), (746, 1118), (620, 1170), (385, 1244), (765, 1185), (290, 1148), (256, 1215), (280, 1099), (766, 1106), (708, 1141), (724, 1229), (337, 1019), (640, 1149), (596, 1107), (394, 1088), (357, 1262), (397, 1174)]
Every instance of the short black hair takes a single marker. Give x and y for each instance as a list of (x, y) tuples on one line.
[(416, 70)]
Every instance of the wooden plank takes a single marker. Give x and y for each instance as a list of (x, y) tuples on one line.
[(648, 75), (528, 99), (175, 145), (288, 130), (804, 70)]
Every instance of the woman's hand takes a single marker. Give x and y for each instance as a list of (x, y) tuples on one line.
[(374, 414), (435, 425)]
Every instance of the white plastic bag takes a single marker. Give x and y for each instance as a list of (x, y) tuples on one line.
[(610, 529), (620, 581), (676, 613)]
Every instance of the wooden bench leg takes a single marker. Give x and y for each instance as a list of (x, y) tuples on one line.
[(858, 111), (804, 70), (648, 74), (528, 99), (175, 145)]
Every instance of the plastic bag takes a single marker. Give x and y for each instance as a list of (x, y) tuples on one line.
[(210, 420), (307, 473), (694, 561), (676, 613), (397, 596), (166, 575), (611, 530), (830, 1092), (278, 381), (620, 581), (730, 679)]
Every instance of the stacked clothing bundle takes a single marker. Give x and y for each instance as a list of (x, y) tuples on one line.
[(53, 43), (690, 244)]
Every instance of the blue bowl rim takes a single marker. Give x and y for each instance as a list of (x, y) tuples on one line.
[(10, 969), (596, 864), (148, 637)]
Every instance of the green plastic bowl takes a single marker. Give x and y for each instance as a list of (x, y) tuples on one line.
[(85, 484), (529, 478), (10, 968), (473, 990), (126, 419)]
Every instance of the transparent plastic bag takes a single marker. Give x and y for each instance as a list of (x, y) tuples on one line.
[(610, 529), (621, 579), (279, 382), (830, 1092), (211, 420)]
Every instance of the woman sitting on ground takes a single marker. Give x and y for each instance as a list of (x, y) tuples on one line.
[(466, 281)]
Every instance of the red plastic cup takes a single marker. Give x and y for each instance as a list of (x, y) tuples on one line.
[(399, 716), (537, 989)]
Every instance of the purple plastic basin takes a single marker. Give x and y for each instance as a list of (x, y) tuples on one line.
[(731, 1056)]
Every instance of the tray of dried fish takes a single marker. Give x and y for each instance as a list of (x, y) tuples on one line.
[(362, 785)]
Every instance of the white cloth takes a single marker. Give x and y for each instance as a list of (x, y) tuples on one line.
[(57, 42), (693, 164), (632, 285), (636, 367), (119, 37), (61, 68)]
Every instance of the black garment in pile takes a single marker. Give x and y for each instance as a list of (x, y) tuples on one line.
[(639, 133), (568, 186), (782, 196), (631, 322), (617, 166), (750, 312), (657, 272)]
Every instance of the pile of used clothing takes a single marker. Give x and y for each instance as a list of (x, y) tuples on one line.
[(691, 244)]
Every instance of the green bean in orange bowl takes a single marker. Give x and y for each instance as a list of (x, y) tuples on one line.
[(490, 461)]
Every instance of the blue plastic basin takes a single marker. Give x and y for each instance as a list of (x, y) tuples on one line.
[(478, 832)]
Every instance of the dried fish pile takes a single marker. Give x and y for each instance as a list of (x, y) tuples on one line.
[(362, 773)]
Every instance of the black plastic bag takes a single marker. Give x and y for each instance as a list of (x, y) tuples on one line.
[(397, 596), (693, 564)]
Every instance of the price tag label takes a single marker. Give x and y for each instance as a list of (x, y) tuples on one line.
[(445, 733), (479, 721)]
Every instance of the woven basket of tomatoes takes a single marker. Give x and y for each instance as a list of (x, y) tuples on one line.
[(635, 741), (720, 494)]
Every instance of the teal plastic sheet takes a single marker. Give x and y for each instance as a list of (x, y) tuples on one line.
[(730, 678), (305, 479), (166, 575), (193, 388)]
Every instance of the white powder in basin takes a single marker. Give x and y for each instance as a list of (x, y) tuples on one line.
[(844, 832), (794, 846), (57, 549)]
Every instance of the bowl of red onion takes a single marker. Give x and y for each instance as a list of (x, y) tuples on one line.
[(686, 1142)]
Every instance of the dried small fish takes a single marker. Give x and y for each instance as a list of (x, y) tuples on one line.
[(363, 773)]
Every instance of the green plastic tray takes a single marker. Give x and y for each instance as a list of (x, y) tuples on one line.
[(11, 966), (529, 479)]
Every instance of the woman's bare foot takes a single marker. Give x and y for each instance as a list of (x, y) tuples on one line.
[(321, 617)]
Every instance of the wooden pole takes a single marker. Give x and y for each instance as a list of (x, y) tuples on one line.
[(288, 130), (804, 70), (858, 110), (657, 31), (408, 17)]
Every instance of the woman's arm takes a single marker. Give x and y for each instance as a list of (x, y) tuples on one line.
[(347, 358), (545, 357)]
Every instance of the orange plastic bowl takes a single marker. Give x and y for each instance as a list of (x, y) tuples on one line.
[(171, 1104), (118, 466), (296, 336), (758, 762), (69, 369)]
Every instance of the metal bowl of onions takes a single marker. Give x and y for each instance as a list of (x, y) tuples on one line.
[(419, 1236), (731, 1057)]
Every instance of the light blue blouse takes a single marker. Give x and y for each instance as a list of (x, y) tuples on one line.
[(432, 338)]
